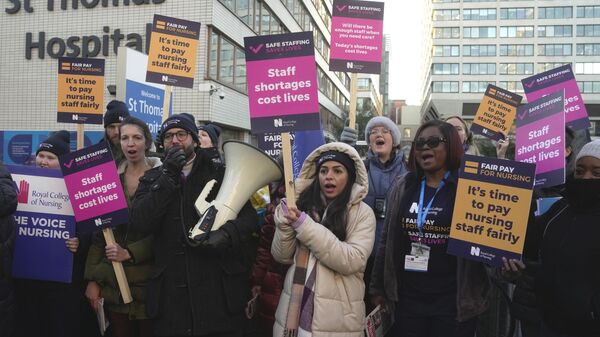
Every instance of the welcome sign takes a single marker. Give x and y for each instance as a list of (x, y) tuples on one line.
[(45, 221)]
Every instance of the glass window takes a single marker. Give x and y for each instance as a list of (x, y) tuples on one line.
[(479, 68), (555, 49), (588, 11), (444, 68), (479, 50), (240, 70), (588, 30), (446, 15), (479, 14), (214, 49), (550, 65), (588, 49), (446, 32), (243, 10), (516, 13), (587, 68), (555, 12), (446, 50), (516, 31), (444, 86), (516, 68), (475, 86), (589, 87), (226, 61), (513, 86), (516, 50), (555, 31), (479, 32)]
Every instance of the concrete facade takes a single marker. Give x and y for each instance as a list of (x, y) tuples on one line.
[(472, 43), (28, 85)]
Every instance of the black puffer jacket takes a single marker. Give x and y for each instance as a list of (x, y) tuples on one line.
[(192, 290), (8, 205)]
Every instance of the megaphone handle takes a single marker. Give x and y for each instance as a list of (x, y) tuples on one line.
[(290, 192)]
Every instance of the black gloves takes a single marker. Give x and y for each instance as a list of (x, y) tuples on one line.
[(219, 240), (174, 162)]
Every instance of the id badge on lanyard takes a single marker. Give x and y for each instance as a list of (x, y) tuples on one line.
[(418, 259)]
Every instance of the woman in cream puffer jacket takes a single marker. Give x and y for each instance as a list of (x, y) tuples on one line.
[(339, 309)]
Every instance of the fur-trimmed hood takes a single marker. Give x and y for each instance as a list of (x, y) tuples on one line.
[(308, 173)]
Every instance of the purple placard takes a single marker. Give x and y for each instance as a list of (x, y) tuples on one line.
[(540, 138), (356, 36), (282, 83), (95, 188), (554, 80), (44, 220)]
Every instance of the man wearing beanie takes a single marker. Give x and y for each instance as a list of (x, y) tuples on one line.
[(384, 163), (199, 288), (116, 112), (49, 150)]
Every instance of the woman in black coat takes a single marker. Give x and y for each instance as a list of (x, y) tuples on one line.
[(8, 205)]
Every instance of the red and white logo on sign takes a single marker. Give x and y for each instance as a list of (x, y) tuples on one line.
[(23, 197)]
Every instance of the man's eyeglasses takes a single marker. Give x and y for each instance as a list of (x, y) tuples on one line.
[(375, 132), (431, 142), (181, 136)]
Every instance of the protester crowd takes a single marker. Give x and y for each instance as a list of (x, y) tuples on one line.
[(315, 266)]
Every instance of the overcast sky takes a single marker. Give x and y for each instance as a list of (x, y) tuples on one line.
[(403, 21)]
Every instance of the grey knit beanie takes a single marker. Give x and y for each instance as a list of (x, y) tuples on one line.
[(386, 123), (591, 149)]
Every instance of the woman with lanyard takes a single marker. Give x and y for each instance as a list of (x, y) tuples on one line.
[(431, 293), (384, 163)]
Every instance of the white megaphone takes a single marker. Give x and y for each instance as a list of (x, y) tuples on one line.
[(248, 169)]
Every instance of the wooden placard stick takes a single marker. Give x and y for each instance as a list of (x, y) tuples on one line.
[(80, 138), (109, 237), (352, 112), (286, 147), (166, 102)]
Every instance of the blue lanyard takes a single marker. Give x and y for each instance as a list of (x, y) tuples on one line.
[(422, 214)]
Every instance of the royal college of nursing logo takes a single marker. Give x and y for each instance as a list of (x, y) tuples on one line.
[(23, 197)]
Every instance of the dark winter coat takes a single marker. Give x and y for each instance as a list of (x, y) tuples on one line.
[(137, 269), (473, 283), (192, 290), (8, 205), (266, 272), (568, 284)]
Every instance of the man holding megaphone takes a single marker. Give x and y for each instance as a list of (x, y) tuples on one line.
[(197, 288)]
